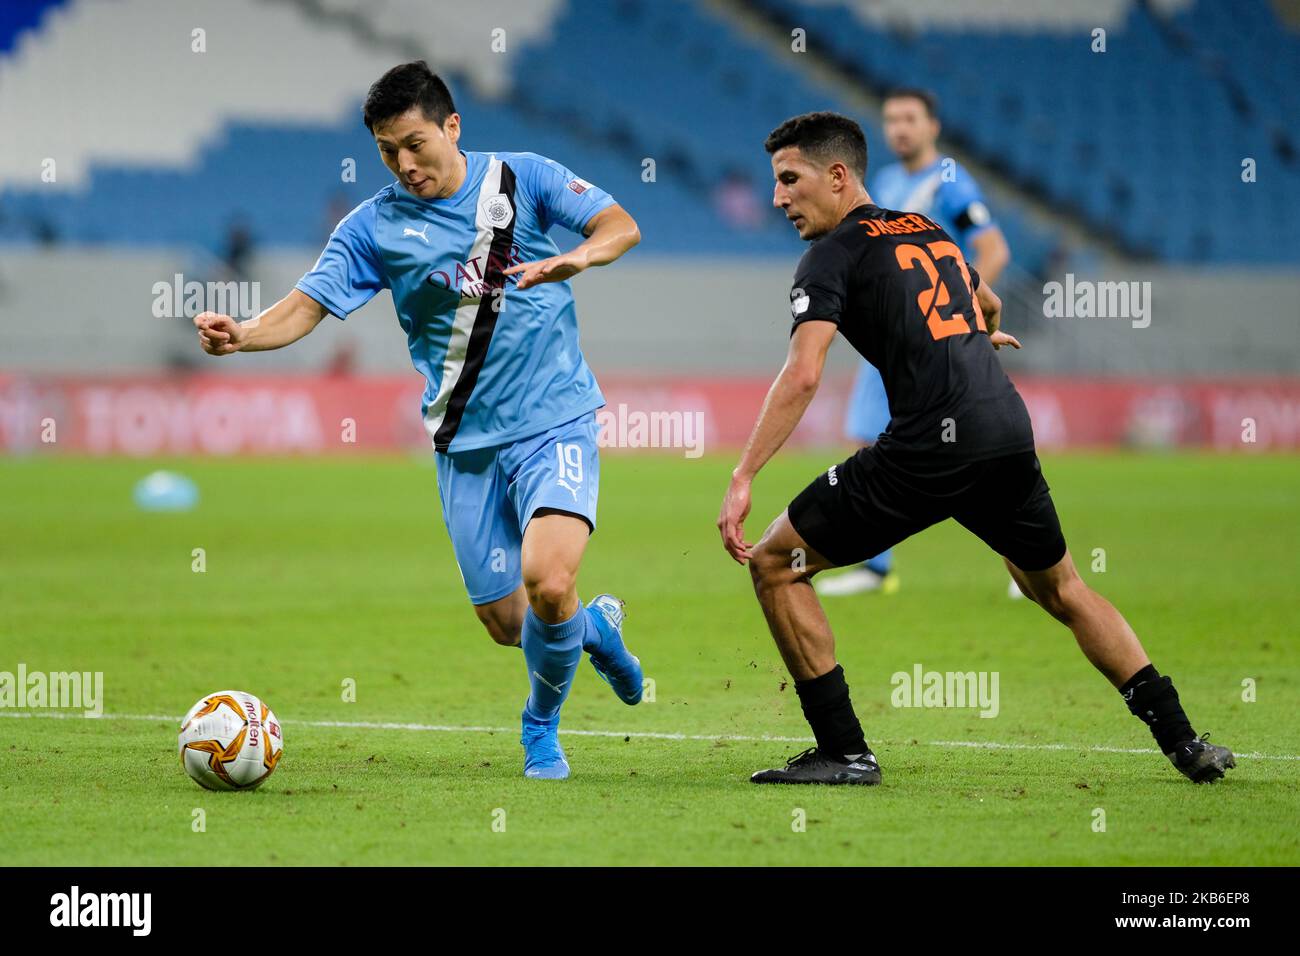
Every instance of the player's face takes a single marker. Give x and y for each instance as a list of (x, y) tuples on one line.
[(909, 128), (420, 153), (804, 192)]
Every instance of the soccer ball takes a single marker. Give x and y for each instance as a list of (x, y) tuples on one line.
[(230, 740)]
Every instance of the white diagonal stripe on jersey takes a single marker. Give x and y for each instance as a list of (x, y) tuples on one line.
[(458, 342), (921, 198)]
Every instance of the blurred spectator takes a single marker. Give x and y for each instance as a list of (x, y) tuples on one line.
[(736, 200)]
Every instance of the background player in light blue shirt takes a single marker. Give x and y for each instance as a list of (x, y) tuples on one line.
[(938, 187), (509, 403)]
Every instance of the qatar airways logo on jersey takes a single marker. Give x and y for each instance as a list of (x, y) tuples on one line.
[(469, 277)]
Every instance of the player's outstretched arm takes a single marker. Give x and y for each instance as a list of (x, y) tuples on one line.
[(991, 307), (283, 323), (610, 233), (786, 402)]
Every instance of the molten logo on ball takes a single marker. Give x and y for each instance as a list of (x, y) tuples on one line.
[(222, 743)]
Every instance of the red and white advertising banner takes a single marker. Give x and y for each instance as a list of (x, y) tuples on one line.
[(320, 414)]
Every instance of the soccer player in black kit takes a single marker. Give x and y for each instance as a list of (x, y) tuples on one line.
[(959, 446)]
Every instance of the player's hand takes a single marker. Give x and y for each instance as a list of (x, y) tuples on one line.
[(554, 269), (731, 520), (219, 334), (990, 307)]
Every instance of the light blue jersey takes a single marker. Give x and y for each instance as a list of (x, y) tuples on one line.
[(946, 194), (500, 364)]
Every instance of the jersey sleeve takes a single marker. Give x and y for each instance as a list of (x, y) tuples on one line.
[(348, 273), (821, 284), (559, 195), (962, 202)]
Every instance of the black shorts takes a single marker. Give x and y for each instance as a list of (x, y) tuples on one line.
[(869, 503)]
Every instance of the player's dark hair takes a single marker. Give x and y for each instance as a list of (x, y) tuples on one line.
[(825, 136), (928, 99), (405, 86)]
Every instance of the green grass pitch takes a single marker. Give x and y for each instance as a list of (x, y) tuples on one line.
[(324, 570)]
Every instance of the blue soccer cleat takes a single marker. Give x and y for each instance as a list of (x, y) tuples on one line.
[(615, 664), (543, 756)]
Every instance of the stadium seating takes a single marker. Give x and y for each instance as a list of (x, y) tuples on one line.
[(224, 143), (1145, 141)]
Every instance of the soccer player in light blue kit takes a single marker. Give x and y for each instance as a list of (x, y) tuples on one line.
[(482, 294), (940, 188)]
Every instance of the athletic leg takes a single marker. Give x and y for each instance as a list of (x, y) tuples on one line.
[(1013, 513), (554, 543), (552, 634), (558, 473), (504, 617), (782, 567), (486, 539), (553, 487), (1108, 641), (859, 507), (1101, 631)]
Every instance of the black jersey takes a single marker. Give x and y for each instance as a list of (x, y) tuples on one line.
[(900, 291)]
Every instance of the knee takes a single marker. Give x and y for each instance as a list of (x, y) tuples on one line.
[(550, 591), (1063, 600), (770, 567)]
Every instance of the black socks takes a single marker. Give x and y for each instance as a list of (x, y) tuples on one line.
[(1153, 700), (828, 710)]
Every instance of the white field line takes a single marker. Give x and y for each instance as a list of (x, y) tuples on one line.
[(637, 734)]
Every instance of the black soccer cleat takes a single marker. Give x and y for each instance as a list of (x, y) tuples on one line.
[(812, 766), (1201, 761)]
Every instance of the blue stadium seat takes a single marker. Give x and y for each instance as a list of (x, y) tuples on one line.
[(1143, 142), (1161, 121)]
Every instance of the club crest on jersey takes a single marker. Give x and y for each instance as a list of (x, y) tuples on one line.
[(497, 211), (799, 302)]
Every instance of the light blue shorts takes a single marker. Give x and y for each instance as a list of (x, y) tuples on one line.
[(490, 494), (868, 413)]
